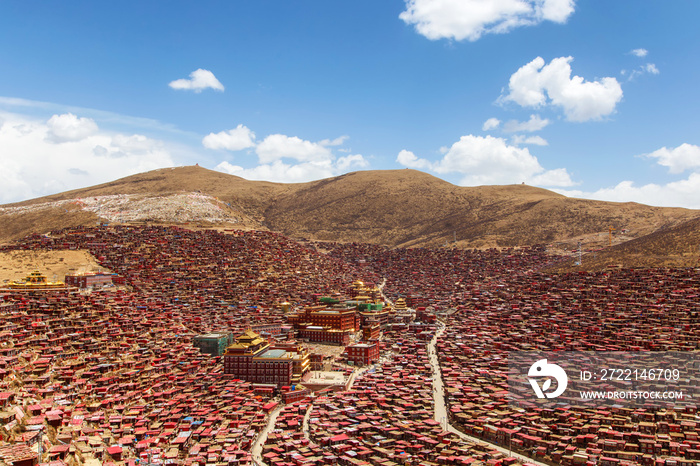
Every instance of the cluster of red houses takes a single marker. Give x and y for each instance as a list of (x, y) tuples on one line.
[(114, 376), (632, 310), (497, 302), (434, 278), (387, 419)]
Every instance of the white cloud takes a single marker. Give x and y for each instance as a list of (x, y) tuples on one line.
[(651, 68), (409, 159), (682, 193), (679, 193), (491, 123), (489, 160), (33, 165), (281, 172), (681, 158), (278, 146), (470, 19), (125, 123), (535, 123), (351, 161), (537, 84), (557, 11), (199, 80), (648, 68), (288, 159), (238, 138), (641, 53), (339, 141), (68, 127), (533, 140), (556, 177)]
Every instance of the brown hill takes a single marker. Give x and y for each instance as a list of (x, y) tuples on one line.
[(677, 246), (250, 197), (411, 208), (392, 207)]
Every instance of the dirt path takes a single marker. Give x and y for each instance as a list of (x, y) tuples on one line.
[(353, 376), (441, 407), (381, 292), (307, 417), (256, 451)]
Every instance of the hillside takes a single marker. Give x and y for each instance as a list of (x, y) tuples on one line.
[(391, 207), (677, 246), (411, 208)]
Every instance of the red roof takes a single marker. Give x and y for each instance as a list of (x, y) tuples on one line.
[(339, 438)]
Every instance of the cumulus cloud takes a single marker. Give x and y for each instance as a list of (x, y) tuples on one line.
[(34, 165), (351, 161), (290, 159), (489, 160), (279, 171), (283, 172), (470, 19), (679, 193), (235, 139), (535, 123), (284, 158), (491, 123), (409, 159), (678, 159), (536, 85), (68, 127), (199, 80), (641, 53), (279, 146)]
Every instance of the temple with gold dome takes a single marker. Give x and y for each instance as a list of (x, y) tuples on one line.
[(35, 281)]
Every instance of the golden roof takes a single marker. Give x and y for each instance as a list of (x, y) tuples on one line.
[(246, 339), (35, 280)]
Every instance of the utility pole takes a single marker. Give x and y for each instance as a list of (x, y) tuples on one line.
[(580, 258)]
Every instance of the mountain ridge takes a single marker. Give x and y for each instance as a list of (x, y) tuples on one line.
[(396, 208)]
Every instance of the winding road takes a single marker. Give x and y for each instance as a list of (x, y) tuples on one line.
[(256, 451), (441, 407), (307, 417), (439, 404)]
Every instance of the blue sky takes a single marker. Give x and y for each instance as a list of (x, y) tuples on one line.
[(589, 99)]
